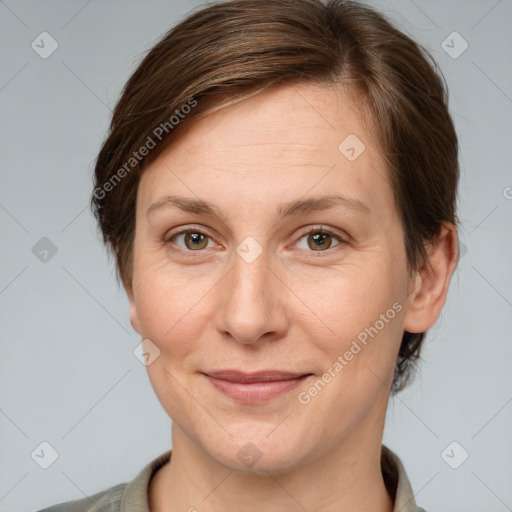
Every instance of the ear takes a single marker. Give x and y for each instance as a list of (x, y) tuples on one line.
[(134, 318), (429, 287)]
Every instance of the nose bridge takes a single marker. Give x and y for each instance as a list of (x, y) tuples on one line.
[(250, 278), (252, 303)]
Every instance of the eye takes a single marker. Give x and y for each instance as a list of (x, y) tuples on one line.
[(320, 240), (193, 239)]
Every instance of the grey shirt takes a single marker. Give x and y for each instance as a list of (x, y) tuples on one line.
[(133, 496)]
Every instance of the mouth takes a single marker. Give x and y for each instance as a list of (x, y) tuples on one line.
[(257, 386)]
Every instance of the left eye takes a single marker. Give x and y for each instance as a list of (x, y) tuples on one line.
[(320, 240)]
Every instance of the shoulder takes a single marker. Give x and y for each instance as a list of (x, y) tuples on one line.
[(108, 500), (123, 497)]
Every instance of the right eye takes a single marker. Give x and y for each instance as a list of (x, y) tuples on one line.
[(192, 239)]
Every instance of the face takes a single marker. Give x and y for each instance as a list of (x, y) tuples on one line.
[(262, 282)]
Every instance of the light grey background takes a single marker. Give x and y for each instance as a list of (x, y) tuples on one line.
[(68, 374)]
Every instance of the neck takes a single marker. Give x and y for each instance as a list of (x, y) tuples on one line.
[(345, 478)]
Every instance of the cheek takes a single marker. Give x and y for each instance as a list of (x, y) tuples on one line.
[(351, 299), (172, 314), (363, 308), (171, 308)]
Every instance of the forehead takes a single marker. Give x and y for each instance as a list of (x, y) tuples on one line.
[(296, 113), (292, 137)]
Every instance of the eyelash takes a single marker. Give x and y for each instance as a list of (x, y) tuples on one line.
[(192, 229)]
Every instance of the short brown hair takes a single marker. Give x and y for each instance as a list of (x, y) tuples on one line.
[(230, 51)]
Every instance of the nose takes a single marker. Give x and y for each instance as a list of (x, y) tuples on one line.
[(253, 302)]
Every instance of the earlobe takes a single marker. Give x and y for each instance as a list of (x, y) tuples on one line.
[(429, 288), (134, 319)]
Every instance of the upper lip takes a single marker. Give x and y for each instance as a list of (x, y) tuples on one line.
[(260, 376)]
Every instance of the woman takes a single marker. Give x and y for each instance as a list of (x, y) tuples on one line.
[(278, 188)]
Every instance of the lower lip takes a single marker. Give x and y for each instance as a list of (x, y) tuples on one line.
[(255, 391)]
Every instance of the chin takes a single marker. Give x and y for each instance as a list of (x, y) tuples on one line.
[(257, 453)]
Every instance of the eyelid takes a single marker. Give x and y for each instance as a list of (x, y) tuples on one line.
[(320, 228), (185, 229)]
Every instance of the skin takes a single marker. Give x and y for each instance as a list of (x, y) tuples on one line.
[(295, 307)]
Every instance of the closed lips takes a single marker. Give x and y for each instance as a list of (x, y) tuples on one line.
[(247, 378)]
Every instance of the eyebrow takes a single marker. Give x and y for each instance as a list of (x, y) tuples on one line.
[(293, 208)]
